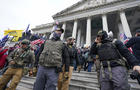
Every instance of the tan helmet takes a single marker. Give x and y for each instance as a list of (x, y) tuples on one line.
[(25, 41)]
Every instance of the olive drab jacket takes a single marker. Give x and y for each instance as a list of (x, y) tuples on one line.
[(22, 58)]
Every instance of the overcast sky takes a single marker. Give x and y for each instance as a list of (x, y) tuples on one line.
[(17, 14)]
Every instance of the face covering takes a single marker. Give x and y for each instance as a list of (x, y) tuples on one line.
[(56, 35), (71, 43)]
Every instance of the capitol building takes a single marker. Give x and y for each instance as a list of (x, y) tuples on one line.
[(85, 18)]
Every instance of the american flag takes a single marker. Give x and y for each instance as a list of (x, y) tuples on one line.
[(57, 23), (4, 40), (35, 42), (124, 38), (38, 41)]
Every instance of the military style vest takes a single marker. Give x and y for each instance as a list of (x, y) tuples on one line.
[(22, 58), (51, 55), (107, 51)]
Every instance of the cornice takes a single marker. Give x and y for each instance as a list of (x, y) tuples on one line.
[(89, 8), (43, 26), (71, 7)]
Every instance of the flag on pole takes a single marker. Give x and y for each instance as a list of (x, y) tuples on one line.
[(123, 37), (4, 40), (5, 37), (27, 28), (125, 40), (57, 23)]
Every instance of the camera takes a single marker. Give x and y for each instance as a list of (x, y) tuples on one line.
[(135, 75)]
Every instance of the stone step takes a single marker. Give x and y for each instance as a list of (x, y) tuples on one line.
[(91, 77), (22, 88), (79, 81), (85, 74), (94, 76), (73, 86), (85, 83), (135, 87)]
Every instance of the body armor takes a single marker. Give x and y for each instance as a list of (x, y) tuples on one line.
[(51, 55), (107, 51), (22, 58)]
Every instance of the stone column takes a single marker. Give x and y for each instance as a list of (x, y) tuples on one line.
[(125, 24), (64, 27), (104, 22), (78, 38), (88, 32), (75, 29), (82, 40)]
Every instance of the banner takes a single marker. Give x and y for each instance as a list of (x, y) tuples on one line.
[(15, 34)]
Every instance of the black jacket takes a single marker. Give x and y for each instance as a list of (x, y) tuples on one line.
[(135, 44), (73, 55), (123, 51)]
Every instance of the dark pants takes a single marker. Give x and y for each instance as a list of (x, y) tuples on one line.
[(46, 79), (90, 64), (119, 79), (74, 64)]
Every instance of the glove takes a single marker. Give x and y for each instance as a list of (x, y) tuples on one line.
[(34, 71), (79, 68), (30, 72), (12, 62), (136, 68), (66, 76)]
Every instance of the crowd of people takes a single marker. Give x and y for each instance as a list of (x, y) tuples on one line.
[(52, 60)]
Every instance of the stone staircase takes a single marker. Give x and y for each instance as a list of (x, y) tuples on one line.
[(84, 81), (88, 81), (80, 81)]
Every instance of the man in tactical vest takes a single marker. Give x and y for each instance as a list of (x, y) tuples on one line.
[(62, 83), (53, 56), (18, 60), (113, 74)]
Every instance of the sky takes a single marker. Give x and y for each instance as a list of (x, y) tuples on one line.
[(17, 14)]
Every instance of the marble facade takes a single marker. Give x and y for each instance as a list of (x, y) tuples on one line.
[(84, 19)]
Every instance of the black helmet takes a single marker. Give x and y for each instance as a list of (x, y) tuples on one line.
[(25, 41), (103, 34), (138, 31)]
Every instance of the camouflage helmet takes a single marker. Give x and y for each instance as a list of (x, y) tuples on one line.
[(103, 34), (70, 38), (25, 41)]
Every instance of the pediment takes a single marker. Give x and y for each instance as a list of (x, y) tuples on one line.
[(83, 4)]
